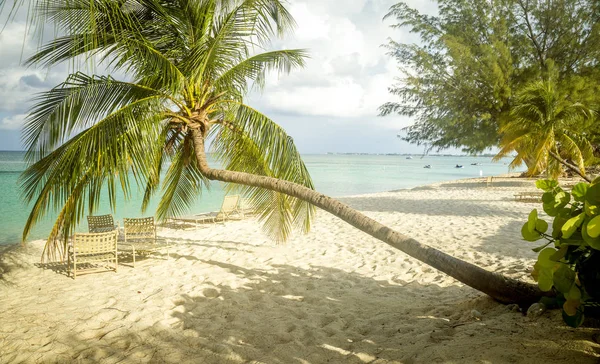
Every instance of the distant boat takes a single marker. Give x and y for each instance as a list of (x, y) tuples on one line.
[(427, 166), (458, 166), (475, 164), (409, 157)]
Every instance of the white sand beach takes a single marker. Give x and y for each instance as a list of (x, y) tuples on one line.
[(336, 295)]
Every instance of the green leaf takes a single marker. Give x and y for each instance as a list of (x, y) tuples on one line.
[(557, 225), (562, 199), (560, 253), (545, 259), (590, 209), (592, 242), (532, 220), (529, 235), (548, 197), (593, 227), (545, 280), (593, 194), (576, 320), (571, 225), (541, 226), (564, 278), (579, 191), (546, 184), (574, 293)]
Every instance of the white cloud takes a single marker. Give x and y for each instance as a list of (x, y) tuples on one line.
[(14, 122)]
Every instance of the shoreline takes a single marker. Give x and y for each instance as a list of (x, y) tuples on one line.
[(228, 294)]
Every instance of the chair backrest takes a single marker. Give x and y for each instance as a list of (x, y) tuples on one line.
[(100, 223), (95, 243), (139, 228), (230, 203)]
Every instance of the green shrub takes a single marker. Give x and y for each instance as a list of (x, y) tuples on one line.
[(569, 261)]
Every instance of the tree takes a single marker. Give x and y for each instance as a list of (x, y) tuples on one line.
[(460, 80), (548, 128), (191, 64)]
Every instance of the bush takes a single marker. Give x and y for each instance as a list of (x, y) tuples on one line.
[(569, 262)]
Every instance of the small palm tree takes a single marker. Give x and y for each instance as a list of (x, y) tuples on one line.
[(190, 63), (547, 131)]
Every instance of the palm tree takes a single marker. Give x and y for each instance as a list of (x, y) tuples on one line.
[(548, 131), (190, 63)]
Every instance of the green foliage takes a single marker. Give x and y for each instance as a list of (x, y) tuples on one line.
[(460, 80), (569, 262)]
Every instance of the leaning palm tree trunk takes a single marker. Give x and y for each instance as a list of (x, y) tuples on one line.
[(495, 285), (570, 166)]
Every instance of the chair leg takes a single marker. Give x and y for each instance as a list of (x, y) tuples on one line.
[(133, 252)]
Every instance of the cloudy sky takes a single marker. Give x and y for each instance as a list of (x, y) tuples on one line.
[(329, 106)]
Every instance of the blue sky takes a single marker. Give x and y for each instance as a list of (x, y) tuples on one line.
[(329, 106)]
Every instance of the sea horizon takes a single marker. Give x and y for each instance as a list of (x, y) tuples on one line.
[(335, 174)]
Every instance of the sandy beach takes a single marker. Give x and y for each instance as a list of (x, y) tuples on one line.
[(229, 295)]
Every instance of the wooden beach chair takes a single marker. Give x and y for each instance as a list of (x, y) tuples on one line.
[(488, 181), (101, 224), (245, 207), (89, 249), (140, 237), (529, 196), (229, 208)]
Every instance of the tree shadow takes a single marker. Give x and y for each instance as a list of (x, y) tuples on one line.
[(287, 314)]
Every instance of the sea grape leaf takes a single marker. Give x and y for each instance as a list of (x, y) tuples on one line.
[(529, 236), (557, 225), (531, 220), (574, 293), (544, 259), (541, 226), (550, 209), (570, 307), (535, 273), (579, 191), (562, 199), (571, 225), (546, 184), (548, 197), (560, 253), (564, 278), (590, 209), (593, 194), (545, 280), (593, 242), (576, 320), (593, 227)]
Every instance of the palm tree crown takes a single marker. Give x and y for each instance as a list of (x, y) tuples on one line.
[(545, 127), (190, 63)]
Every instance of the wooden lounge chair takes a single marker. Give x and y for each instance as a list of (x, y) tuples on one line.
[(529, 196), (101, 224), (140, 237), (245, 207), (89, 249), (229, 208), (488, 181)]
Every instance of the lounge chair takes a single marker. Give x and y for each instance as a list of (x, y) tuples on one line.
[(229, 208), (488, 181), (88, 249), (101, 224), (245, 207), (140, 237), (529, 196)]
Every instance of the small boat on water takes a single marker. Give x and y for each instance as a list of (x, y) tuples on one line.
[(458, 166), (409, 157), (475, 164), (428, 166)]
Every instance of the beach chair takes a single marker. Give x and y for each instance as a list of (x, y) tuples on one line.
[(140, 237), (529, 196), (101, 224), (89, 249), (229, 208), (488, 181), (245, 207)]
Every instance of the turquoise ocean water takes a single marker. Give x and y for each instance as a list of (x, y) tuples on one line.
[(333, 174)]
